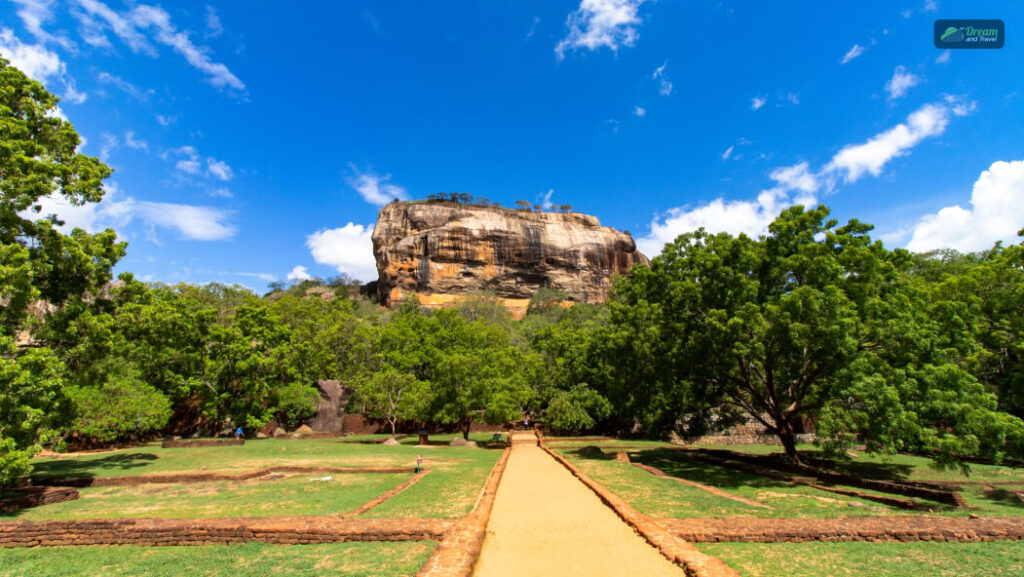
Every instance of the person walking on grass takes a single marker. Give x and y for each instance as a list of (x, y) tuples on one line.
[(238, 433)]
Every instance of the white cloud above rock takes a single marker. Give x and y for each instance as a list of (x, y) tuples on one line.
[(601, 23), (348, 249)]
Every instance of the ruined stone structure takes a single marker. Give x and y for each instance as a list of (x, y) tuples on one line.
[(440, 250)]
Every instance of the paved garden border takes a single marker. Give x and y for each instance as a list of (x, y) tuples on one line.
[(874, 529), (670, 545)]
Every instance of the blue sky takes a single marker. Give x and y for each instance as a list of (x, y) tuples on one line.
[(253, 142)]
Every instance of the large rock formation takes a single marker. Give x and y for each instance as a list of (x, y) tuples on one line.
[(440, 251)]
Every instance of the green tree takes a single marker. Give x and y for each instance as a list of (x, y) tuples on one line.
[(38, 158), (476, 375)]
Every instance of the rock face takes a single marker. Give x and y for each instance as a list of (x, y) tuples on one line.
[(440, 251)]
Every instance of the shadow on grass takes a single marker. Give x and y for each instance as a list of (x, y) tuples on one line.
[(1003, 497), (862, 470), (86, 467), (678, 464)]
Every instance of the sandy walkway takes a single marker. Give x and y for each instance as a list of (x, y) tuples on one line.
[(546, 522)]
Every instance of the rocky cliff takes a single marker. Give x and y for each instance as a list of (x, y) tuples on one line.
[(440, 251)]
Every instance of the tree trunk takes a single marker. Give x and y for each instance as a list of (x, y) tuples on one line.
[(465, 430), (789, 443), (392, 422)]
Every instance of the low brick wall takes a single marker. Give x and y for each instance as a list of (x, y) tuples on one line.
[(35, 496), (874, 529), (672, 547), (277, 530), (129, 480), (191, 443), (457, 553)]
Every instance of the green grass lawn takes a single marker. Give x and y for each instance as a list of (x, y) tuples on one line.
[(449, 491), (248, 560), (662, 497), (995, 559), (293, 495)]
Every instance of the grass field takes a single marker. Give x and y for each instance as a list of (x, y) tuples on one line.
[(248, 560), (995, 559), (293, 495), (449, 491), (660, 497)]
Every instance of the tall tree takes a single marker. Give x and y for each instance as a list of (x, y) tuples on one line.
[(39, 158)]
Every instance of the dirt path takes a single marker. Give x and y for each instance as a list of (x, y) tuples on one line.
[(545, 522)]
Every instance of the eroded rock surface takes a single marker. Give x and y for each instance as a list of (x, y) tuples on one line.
[(441, 250)]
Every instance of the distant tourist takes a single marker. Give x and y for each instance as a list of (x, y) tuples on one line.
[(238, 433)]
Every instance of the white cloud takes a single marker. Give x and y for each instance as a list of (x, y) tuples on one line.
[(665, 87), (348, 249), (900, 82), (221, 193), (109, 144), (219, 169), (129, 27), (545, 200), (166, 120), (798, 184), (852, 53), (125, 86), (190, 164), (533, 27), (871, 157), (374, 188), (213, 26), (130, 142), (35, 60), (33, 14), (71, 93), (299, 274), (727, 153), (944, 57), (996, 214), (757, 102), (191, 222), (640, 111), (930, 6), (597, 23), (263, 276), (793, 98)]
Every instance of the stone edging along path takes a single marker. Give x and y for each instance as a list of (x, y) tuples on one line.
[(671, 546), (458, 551), (874, 529)]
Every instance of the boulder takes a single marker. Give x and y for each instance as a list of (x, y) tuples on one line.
[(279, 432), (460, 442), (303, 430), (391, 442)]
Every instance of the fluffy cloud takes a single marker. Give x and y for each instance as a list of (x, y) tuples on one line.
[(219, 169), (901, 82), (665, 87), (191, 222), (597, 23), (996, 214), (299, 274), (96, 17), (35, 60), (640, 111), (852, 53), (853, 161), (757, 102), (727, 153), (348, 249), (375, 188), (799, 184), (131, 142)]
